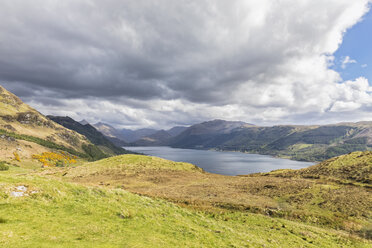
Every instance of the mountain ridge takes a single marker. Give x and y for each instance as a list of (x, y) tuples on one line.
[(25, 132), (90, 132)]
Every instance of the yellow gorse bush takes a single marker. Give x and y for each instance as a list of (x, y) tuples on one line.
[(17, 157), (55, 159)]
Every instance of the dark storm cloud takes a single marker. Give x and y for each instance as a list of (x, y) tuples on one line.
[(158, 62)]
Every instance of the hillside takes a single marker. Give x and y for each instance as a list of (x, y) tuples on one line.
[(91, 133), (206, 134), (159, 138), (307, 143), (321, 202), (353, 167), (174, 131), (208, 211), (25, 131), (126, 135), (111, 133), (139, 137), (62, 214)]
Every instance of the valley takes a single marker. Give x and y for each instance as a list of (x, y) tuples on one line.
[(185, 124), (63, 183)]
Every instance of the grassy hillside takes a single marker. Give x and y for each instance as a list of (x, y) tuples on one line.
[(25, 131), (319, 202), (353, 167), (62, 214), (18, 117), (91, 133)]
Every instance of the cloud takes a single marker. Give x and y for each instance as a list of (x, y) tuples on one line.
[(364, 66), (347, 61), (160, 63)]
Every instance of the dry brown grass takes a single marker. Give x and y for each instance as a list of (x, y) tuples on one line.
[(25, 149)]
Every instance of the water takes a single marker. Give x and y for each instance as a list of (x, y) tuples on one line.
[(225, 163)]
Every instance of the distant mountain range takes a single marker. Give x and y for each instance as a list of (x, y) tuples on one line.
[(19, 124), (306, 143), (139, 137)]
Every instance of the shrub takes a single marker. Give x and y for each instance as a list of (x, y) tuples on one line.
[(3, 166), (55, 159), (94, 152), (60, 163), (17, 157), (366, 232)]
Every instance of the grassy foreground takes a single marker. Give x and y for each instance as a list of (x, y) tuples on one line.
[(54, 213), (322, 202)]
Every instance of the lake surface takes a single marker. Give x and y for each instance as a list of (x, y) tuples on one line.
[(225, 163)]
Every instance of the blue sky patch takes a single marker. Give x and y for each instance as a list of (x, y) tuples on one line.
[(354, 57)]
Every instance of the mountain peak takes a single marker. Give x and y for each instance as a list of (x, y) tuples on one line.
[(83, 122)]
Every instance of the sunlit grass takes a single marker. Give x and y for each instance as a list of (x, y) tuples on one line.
[(68, 215)]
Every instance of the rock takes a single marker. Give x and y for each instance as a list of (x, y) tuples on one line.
[(20, 191), (17, 194), (21, 188)]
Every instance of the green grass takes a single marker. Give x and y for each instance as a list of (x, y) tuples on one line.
[(135, 162), (323, 203), (69, 215), (4, 166)]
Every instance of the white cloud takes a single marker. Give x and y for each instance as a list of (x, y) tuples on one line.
[(347, 61), (364, 66), (163, 62)]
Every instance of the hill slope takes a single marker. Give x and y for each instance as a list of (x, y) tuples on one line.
[(90, 132), (327, 203), (26, 131), (206, 135), (125, 135), (157, 139), (61, 214), (354, 167), (103, 214)]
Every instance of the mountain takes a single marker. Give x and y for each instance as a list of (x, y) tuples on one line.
[(109, 131), (206, 134), (123, 135), (307, 143), (83, 122), (91, 133), (174, 131), (134, 135), (157, 139), (142, 136), (160, 138), (25, 131), (112, 134)]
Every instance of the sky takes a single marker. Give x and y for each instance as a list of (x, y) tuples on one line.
[(356, 46), (163, 63)]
